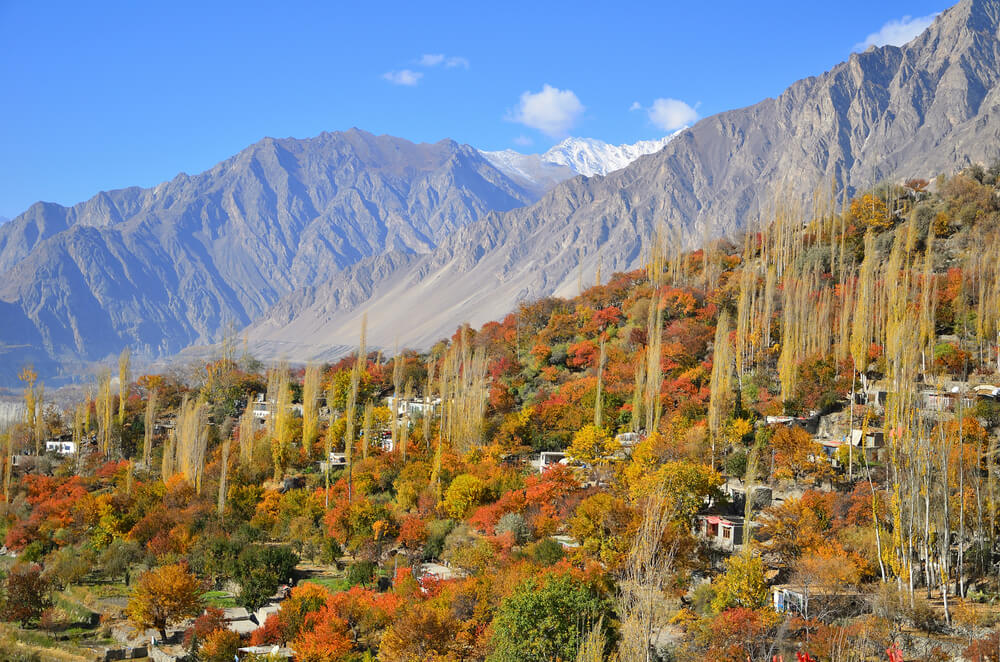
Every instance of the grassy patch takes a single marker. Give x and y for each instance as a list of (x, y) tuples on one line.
[(220, 599), (109, 590), (332, 584)]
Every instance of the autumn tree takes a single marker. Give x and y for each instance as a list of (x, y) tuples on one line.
[(162, 596), (592, 445), (32, 410), (464, 492), (356, 371), (219, 646), (310, 408), (26, 594), (871, 212), (827, 572), (149, 423), (421, 632), (742, 584), (721, 383), (124, 375), (647, 571)]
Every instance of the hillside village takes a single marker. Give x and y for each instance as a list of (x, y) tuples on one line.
[(782, 444)]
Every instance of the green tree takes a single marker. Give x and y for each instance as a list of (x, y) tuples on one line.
[(362, 572), (260, 570), (542, 620)]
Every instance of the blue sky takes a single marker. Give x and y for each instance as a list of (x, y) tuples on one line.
[(110, 94)]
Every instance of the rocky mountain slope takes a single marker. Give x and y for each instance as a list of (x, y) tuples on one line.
[(299, 238), (928, 107), (158, 269)]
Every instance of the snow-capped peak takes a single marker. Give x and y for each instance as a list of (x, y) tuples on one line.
[(573, 156), (590, 157)]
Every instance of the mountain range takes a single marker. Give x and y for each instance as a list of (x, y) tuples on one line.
[(296, 239)]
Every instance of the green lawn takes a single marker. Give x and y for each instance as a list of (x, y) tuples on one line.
[(333, 584), (220, 599)]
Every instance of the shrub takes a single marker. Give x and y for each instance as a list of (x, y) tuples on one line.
[(362, 572), (540, 620), (736, 463), (515, 524), (437, 532), (547, 551), (924, 617)]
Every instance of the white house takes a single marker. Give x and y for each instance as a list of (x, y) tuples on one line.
[(336, 460), (61, 447), (413, 408), (547, 458)]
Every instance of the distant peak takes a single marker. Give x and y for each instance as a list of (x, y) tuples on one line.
[(589, 156)]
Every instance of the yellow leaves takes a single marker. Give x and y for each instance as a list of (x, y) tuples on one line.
[(464, 492), (109, 523), (742, 585), (182, 537), (605, 525), (592, 445), (164, 595), (379, 528), (941, 225), (871, 211), (827, 568), (686, 484), (268, 509), (737, 429)]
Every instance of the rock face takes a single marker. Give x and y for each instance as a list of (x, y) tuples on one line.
[(161, 268), (928, 107), (299, 238)]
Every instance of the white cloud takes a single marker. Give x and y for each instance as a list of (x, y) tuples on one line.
[(437, 59), (430, 60), (671, 114), (552, 111), (403, 77), (897, 32), (635, 106), (523, 140)]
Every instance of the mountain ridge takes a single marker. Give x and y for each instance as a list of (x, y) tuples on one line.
[(424, 237), (175, 264), (929, 107)]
